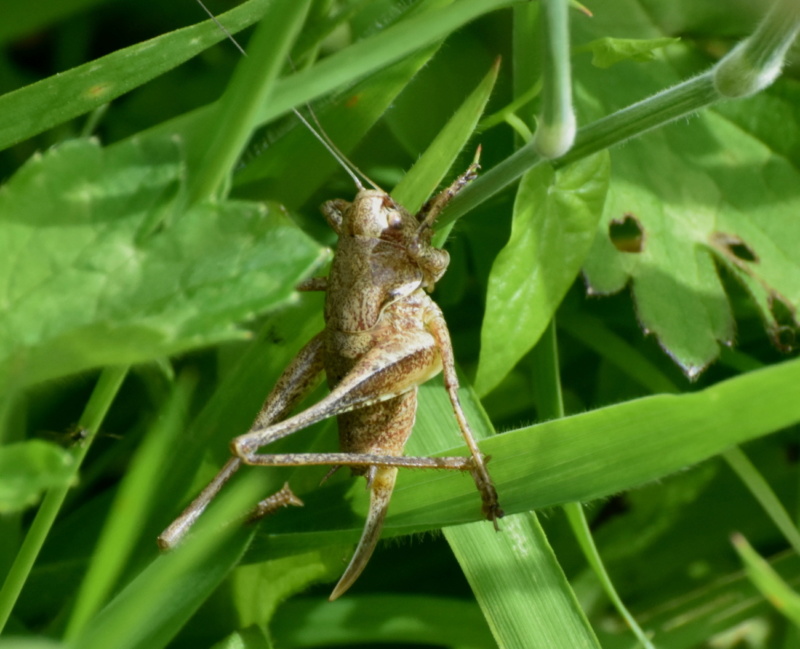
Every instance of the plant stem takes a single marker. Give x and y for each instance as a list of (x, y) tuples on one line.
[(103, 395), (556, 128), (756, 62), (758, 57)]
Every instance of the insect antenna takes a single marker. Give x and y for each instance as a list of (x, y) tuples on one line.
[(351, 169), (222, 28)]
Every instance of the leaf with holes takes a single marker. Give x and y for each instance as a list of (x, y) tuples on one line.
[(720, 190)]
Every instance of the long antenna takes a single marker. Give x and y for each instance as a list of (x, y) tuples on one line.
[(222, 28), (352, 170)]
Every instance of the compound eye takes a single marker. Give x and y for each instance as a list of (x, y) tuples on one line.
[(394, 220)]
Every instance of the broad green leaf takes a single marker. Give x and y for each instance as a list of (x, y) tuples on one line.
[(257, 589), (94, 278), (555, 220), (684, 189), (608, 51), (764, 577), (54, 100), (27, 469)]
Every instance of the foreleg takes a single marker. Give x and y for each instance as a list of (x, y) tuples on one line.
[(436, 324)]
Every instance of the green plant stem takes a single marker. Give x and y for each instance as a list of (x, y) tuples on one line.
[(236, 115), (550, 405), (756, 62), (646, 115), (103, 395), (555, 132), (762, 54)]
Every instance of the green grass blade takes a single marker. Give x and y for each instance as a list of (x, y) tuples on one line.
[(520, 586), (129, 513), (583, 457), (347, 66), (294, 165), (250, 88), (592, 332), (580, 527), (690, 619), (42, 105), (148, 612), (371, 54), (774, 589), (762, 492), (106, 389), (426, 174)]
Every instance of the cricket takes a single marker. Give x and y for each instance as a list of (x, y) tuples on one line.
[(383, 337)]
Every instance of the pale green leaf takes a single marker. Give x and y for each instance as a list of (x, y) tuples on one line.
[(104, 269), (27, 469), (555, 220)]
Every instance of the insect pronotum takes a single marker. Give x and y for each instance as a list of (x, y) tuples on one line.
[(383, 337)]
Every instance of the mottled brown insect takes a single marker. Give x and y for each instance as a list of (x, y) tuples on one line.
[(383, 337)]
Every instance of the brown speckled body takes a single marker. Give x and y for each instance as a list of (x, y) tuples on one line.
[(375, 301)]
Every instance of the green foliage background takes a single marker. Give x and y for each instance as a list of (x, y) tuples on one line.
[(138, 251)]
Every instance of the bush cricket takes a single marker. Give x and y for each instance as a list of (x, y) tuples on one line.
[(383, 337)]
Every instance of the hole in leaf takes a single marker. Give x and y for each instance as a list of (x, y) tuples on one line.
[(784, 333), (734, 246), (626, 234)]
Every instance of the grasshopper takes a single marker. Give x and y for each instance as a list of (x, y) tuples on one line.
[(383, 337)]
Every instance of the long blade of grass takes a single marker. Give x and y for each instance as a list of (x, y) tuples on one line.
[(633, 363), (106, 389), (764, 577), (575, 459), (148, 612), (44, 104), (129, 513), (345, 67), (251, 86)]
